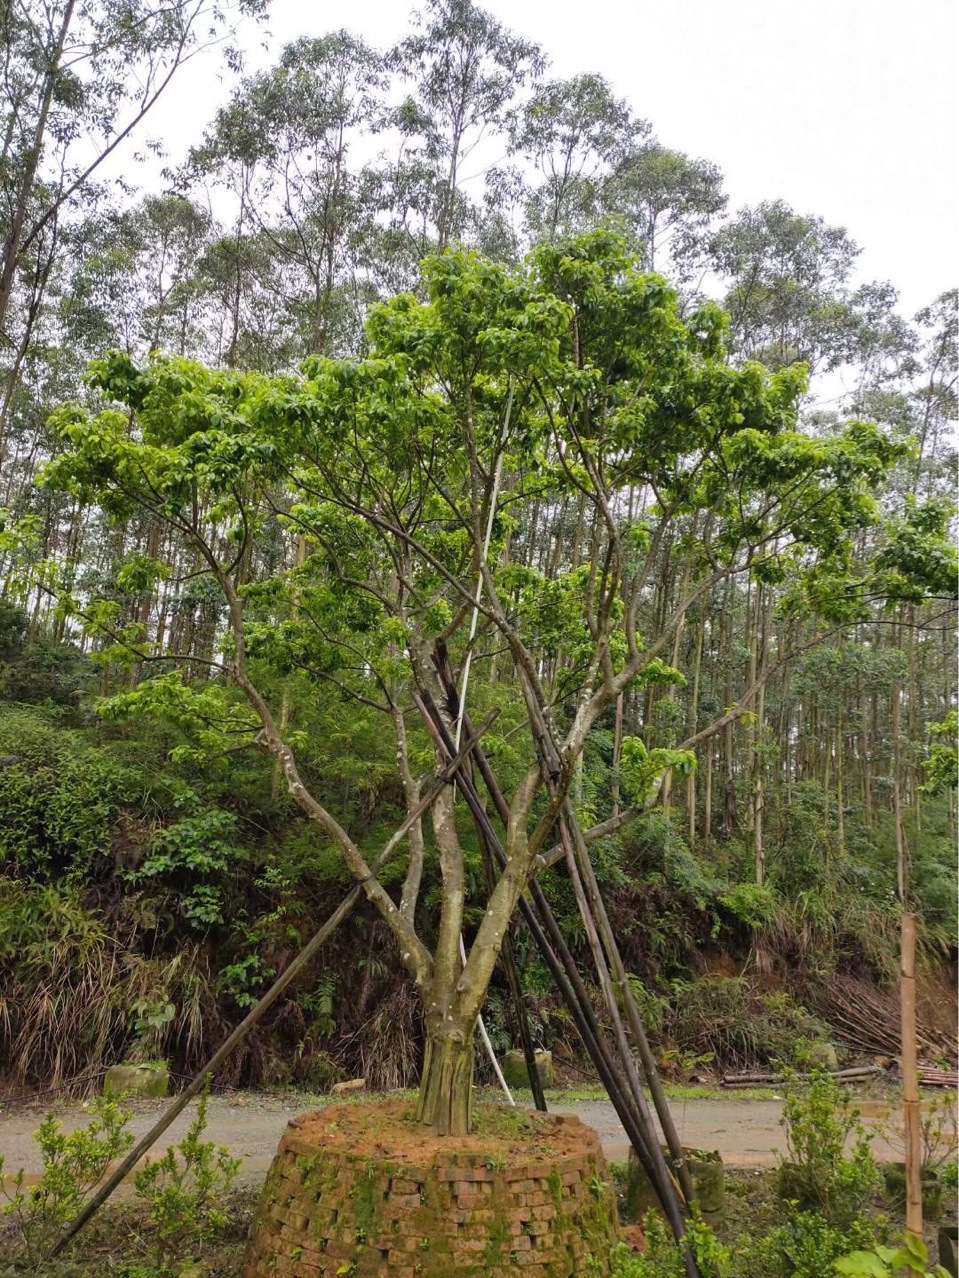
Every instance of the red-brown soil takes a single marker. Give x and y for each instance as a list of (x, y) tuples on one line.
[(388, 1129)]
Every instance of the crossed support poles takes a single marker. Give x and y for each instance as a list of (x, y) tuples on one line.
[(614, 1058)]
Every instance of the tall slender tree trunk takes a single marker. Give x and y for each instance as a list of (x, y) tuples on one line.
[(865, 770), (692, 721), (761, 666), (910, 1078), (13, 245), (617, 752), (730, 805), (708, 794)]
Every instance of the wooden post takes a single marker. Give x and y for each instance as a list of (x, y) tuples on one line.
[(910, 1079)]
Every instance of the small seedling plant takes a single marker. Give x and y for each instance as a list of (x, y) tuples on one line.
[(938, 1132), (183, 1192)]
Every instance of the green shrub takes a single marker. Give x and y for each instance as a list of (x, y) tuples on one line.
[(804, 1246), (42, 671), (664, 1259), (885, 1262), (819, 1174), (825, 1191), (192, 858), (72, 1165), (184, 1193), (58, 804), (753, 904)]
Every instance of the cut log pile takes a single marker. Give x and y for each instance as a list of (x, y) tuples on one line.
[(767, 1080), (929, 1076)]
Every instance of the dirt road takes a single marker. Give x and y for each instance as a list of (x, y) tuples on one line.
[(746, 1132)]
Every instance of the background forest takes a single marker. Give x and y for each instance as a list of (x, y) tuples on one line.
[(151, 880)]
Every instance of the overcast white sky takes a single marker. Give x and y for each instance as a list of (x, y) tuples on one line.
[(848, 109)]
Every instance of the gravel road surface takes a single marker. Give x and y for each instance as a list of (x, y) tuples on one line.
[(746, 1132)]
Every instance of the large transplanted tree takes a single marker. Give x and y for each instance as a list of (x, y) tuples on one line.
[(399, 480)]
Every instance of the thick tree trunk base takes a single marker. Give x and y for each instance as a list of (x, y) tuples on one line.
[(445, 1099)]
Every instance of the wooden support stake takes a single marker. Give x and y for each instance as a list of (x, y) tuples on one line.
[(910, 1079), (628, 1002)]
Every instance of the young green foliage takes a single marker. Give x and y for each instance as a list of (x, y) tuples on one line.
[(391, 482)]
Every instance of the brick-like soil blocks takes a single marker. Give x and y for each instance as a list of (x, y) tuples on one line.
[(360, 1189)]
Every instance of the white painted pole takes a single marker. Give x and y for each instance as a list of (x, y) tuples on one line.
[(494, 496)]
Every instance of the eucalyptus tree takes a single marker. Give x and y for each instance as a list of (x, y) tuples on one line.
[(669, 203), (576, 134), (885, 347), (400, 477), (936, 397), (287, 137), (134, 285), (787, 286), (78, 80), (464, 70), (254, 325)]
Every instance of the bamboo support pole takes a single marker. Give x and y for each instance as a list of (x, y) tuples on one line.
[(910, 1078), (628, 1002), (549, 939), (609, 996), (628, 1100), (571, 985)]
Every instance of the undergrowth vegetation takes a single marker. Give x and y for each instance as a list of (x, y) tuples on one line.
[(822, 1212), (181, 1195), (145, 903)]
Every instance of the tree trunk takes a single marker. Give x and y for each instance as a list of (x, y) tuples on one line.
[(13, 245), (761, 668), (692, 722), (446, 1087), (617, 753), (865, 772), (730, 801), (708, 797)]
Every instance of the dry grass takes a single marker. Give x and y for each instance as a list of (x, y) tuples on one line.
[(69, 988)]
